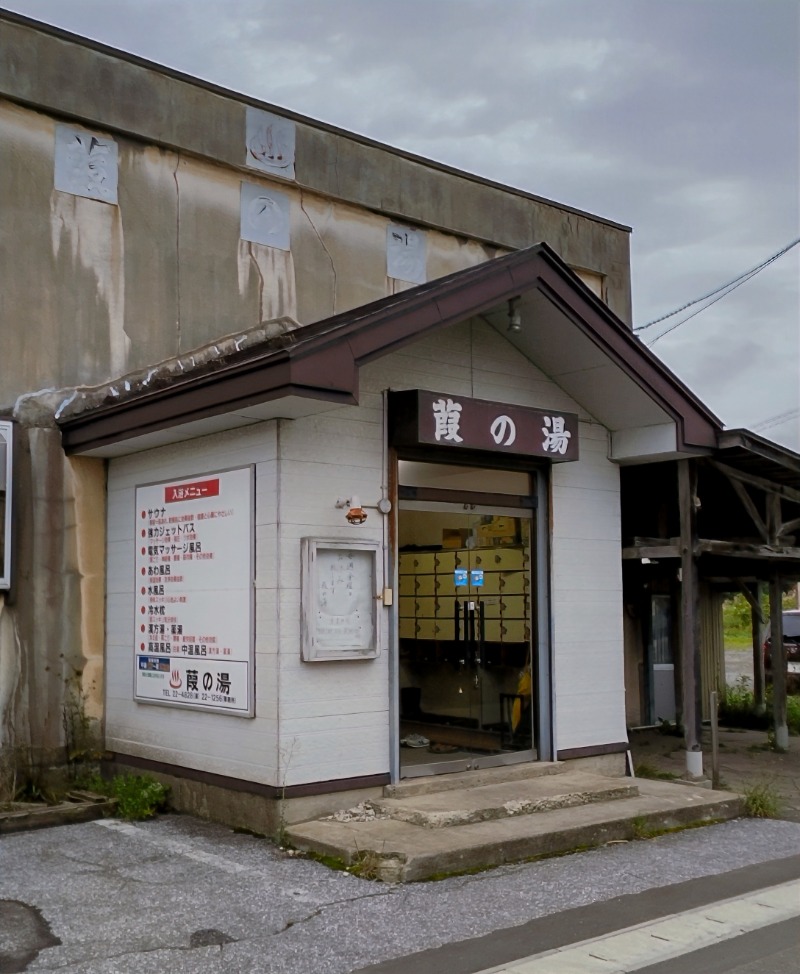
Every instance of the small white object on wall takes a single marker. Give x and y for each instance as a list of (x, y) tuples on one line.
[(269, 143), (265, 216), (85, 164), (406, 254)]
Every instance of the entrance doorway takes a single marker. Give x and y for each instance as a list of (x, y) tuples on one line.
[(467, 667)]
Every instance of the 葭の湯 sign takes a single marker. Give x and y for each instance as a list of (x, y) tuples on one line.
[(194, 572), (421, 417)]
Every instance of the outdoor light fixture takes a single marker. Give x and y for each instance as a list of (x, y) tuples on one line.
[(356, 513), (514, 317)]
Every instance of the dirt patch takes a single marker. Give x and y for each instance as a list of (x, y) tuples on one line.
[(745, 761)]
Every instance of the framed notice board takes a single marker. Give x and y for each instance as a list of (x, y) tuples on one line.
[(339, 599)]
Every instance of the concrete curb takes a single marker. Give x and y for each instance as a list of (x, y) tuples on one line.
[(83, 807)]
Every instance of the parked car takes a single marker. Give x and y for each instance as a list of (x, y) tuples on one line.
[(791, 645)]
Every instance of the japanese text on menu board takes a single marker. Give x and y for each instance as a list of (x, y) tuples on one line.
[(193, 592)]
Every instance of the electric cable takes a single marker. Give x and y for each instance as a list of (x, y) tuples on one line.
[(718, 292), (777, 420)]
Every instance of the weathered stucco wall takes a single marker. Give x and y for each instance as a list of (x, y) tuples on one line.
[(51, 623), (99, 289)]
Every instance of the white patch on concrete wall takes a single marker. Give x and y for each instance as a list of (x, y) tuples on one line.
[(406, 254), (275, 279), (95, 238), (264, 216), (85, 164), (269, 143)]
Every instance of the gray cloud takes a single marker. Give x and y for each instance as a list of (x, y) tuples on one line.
[(677, 117)]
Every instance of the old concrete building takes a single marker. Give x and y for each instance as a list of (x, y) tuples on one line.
[(262, 543)]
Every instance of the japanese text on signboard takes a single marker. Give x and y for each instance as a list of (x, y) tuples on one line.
[(193, 592)]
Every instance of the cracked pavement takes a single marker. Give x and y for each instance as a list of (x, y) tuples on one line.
[(182, 895)]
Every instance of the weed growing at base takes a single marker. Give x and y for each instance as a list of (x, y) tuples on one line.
[(138, 795), (762, 801)]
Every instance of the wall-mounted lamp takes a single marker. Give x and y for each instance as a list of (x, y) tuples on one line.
[(514, 317), (356, 513)]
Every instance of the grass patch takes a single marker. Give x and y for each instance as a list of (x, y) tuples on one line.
[(737, 708), (645, 770), (761, 801), (640, 828), (332, 862), (139, 796)]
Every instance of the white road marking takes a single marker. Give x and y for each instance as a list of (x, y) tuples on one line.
[(672, 936), (173, 845)]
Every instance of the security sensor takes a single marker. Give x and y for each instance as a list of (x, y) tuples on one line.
[(356, 514)]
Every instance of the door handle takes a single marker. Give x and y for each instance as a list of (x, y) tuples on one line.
[(481, 634)]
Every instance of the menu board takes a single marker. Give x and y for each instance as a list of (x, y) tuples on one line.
[(193, 606)]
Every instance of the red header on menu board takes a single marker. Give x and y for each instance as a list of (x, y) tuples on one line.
[(191, 492)]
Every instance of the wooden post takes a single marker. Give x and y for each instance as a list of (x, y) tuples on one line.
[(778, 659), (714, 712), (757, 624), (691, 705)]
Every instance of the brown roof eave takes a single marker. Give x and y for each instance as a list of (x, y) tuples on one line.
[(214, 394), (321, 360)]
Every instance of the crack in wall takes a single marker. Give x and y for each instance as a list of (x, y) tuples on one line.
[(327, 252)]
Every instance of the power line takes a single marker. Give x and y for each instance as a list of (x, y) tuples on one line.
[(777, 420), (719, 297), (718, 293)]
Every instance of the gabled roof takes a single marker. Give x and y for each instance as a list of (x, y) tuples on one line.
[(566, 330)]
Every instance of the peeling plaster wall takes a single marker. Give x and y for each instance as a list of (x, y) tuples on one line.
[(51, 624), (99, 289)]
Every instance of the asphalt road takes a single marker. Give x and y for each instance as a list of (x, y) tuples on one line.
[(738, 663), (180, 895)]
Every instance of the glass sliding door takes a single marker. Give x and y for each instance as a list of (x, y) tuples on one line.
[(466, 649)]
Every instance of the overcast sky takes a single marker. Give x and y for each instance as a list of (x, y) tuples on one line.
[(680, 118)]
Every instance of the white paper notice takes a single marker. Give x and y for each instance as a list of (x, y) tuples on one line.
[(345, 600), (194, 571)]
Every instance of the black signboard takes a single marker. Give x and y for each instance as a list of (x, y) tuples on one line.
[(420, 417)]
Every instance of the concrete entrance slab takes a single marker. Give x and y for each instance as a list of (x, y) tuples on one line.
[(459, 830), (442, 809)]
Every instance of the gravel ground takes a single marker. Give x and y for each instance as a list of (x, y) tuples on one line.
[(181, 895)]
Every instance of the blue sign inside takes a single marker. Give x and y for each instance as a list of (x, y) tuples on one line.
[(476, 577), (460, 577)]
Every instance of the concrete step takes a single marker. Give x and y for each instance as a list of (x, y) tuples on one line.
[(483, 803), (399, 851), (473, 778)]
